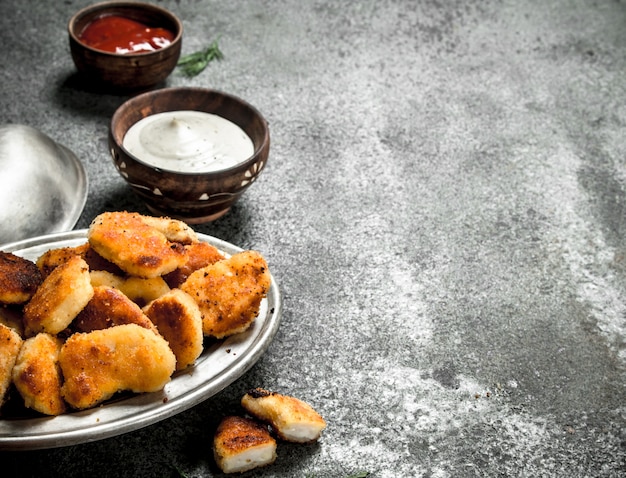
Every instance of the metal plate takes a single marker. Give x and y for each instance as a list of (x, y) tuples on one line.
[(219, 365)]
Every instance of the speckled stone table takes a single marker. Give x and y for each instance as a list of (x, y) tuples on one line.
[(444, 209)]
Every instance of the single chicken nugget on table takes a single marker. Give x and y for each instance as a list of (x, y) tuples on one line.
[(98, 364), (10, 346), (109, 307), (292, 419), (241, 444), (177, 318), (229, 292), (37, 376), (131, 242), (19, 278), (59, 299)]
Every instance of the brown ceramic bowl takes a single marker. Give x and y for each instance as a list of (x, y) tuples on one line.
[(192, 197), (126, 71)]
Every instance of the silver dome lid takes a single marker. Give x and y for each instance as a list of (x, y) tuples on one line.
[(43, 186)]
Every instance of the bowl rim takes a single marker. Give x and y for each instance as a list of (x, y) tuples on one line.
[(104, 6), (243, 165)]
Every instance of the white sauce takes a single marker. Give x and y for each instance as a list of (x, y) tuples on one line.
[(188, 141)]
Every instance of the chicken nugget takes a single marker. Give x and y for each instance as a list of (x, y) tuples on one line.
[(241, 444), (140, 290), (143, 290), (106, 278), (10, 343), (109, 307), (49, 260), (174, 229), (178, 319), (135, 246), (199, 254), (98, 364), (19, 278), (292, 419), (61, 296), (37, 376), (229, 292)]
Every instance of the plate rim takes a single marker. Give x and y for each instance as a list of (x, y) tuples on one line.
[(158, 406)]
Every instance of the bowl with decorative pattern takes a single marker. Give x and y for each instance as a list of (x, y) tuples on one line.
[(194, 197)]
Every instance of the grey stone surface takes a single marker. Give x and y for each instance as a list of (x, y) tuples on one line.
[(444, 209)]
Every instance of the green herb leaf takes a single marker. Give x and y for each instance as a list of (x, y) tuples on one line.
[(360, 474), (195, 63)]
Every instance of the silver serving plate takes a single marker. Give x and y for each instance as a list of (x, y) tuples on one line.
[(220, 364), (43, 186)]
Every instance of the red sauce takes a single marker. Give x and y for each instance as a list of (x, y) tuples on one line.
[(117, 34)]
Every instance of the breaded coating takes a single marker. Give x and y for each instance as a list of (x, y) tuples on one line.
[(19, 278), (199, 254), (138, 289), (49, 260), (37, 376), (241, 444), (10, 344), (229, 292), (98, 364), (142, 290), (108, 279), (177, 318), (174, 229), (292, 419), (107, 308), (53, 258), (61, 296), (135, 246)]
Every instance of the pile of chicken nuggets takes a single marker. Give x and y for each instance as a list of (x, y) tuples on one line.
[(121, 312)]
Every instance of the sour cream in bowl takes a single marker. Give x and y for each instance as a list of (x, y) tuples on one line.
[(188, 141), (189, 153)]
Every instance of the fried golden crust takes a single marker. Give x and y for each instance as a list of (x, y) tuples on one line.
[(173, 229), (198, 255), (10, 343), (37, 376), (291, 418), (49, 260), (229, 292), (142, 290), (61, 296), (138, 289), (98, 364), (133, 245), (19, 278), (178, 319), (107, 308), (241, 444), (105, 278)]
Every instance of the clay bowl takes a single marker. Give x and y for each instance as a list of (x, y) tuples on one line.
[(193, 197), (125, 71)]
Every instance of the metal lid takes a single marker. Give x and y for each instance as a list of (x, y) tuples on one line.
[(43, 186)]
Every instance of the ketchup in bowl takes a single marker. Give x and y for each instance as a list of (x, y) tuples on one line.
[(118, 34)]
